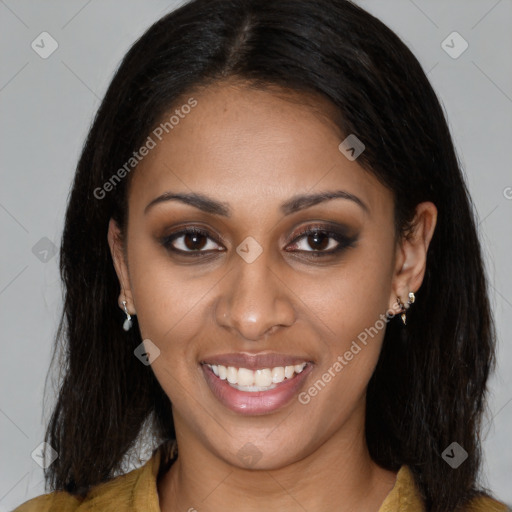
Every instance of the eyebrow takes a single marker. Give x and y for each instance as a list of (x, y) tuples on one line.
[(295, 204)]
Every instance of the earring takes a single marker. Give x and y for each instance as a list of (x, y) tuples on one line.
[(404, 308), (127, 324)]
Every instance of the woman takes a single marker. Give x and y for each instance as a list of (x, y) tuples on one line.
[(270, 255)]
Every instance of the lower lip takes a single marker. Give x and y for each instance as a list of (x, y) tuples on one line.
[(255, 402)]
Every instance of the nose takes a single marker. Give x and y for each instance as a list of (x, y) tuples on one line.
[(255, 301)]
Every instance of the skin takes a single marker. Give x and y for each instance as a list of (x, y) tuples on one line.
[(254, 150)]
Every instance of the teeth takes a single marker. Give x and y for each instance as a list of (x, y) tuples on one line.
[(289, 371), (263, 378), (277, 374), (259, 380), (245, 377), (232, 375), (253, 388)]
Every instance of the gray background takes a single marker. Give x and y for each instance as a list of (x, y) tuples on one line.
[(48, 104)]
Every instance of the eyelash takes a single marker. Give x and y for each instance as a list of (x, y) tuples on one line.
[(343, 241)]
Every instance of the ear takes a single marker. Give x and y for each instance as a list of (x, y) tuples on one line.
[(118, 257), (411, 255)]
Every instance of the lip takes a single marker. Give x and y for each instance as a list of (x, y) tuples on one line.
[(255, 361), (258, 402)]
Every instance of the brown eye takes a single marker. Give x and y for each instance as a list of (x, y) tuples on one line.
[(190, 240), (323, 241), (319, 240), (194, 241)]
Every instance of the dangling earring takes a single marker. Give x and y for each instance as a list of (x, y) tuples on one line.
[(411, 300), (127, 324)]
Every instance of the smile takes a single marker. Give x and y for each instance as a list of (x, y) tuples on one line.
[(255, 391), (263, 379)]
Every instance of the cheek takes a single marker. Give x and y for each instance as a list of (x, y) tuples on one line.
[(168, 301), (352, 305), (351, 299), (169, 314), (338, 385)]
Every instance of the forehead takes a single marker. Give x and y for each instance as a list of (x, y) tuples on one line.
[(252, 147)]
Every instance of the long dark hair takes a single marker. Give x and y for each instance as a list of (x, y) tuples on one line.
[(429, 387)]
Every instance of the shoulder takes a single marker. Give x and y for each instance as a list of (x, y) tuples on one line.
[(486, 504), (121, 493), (406, 497), (118, 491), (58, 500)]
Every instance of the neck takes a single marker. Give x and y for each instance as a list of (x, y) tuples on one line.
[(337, 476)]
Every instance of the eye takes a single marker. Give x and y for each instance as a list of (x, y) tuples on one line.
[(192, 242), (324, 241)]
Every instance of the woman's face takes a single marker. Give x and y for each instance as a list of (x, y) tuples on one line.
[(253, 293)]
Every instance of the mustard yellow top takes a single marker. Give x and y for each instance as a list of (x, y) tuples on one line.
[(136, 491)]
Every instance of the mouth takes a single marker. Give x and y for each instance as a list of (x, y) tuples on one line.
[(253, 389), (262, 379)]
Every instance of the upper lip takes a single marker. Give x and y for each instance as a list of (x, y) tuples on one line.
[(255, 361)]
